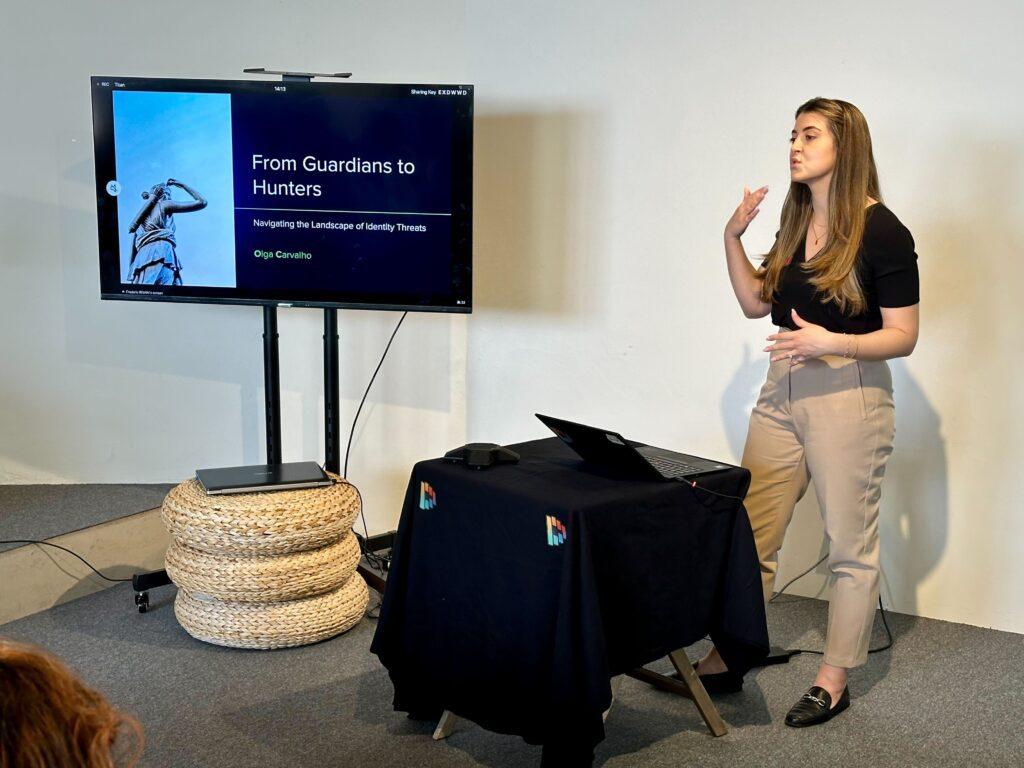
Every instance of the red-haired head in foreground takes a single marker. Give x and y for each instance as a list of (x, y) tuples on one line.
[(50, 719)]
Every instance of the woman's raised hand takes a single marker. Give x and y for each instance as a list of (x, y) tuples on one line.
[(745, 213)]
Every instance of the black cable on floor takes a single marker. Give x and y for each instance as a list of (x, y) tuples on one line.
[(796, 578), (881, 608), (63, 549), (377, 561)]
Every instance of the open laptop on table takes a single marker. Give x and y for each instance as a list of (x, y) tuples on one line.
[(611, 450)]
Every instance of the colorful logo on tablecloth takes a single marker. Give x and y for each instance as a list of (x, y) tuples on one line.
[(428, 499), (556, 532)]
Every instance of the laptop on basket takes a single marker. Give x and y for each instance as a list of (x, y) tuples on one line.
[(611, 450), (263, 477)]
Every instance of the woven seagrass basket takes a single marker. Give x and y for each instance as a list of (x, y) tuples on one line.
[(263, 578), (273, 625), (260, 523)]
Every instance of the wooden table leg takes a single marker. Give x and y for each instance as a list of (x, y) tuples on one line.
[(688, 685), (445, 725), (661, 682), (705, 706)]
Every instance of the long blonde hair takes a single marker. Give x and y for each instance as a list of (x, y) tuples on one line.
[(854, 179)]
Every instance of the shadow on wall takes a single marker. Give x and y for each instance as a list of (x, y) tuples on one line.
[(176, 344), (539, 209), (534, 211), (740, 394), (915, 494), (971, 274), (915, 497), (805, 534)]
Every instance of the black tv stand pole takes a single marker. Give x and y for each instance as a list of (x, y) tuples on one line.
[(142, 582), (332, 418), (272, 384)]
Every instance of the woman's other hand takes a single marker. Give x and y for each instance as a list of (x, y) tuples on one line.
[(745, 212), (809, 340)]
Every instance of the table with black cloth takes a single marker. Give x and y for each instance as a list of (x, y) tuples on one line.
[(516, 592)]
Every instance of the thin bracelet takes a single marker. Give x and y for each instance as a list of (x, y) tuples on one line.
[(851, 337)]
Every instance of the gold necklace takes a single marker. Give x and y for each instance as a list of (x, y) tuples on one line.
[(815, 230)]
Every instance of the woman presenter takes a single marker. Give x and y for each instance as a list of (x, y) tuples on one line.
[(841, 284)]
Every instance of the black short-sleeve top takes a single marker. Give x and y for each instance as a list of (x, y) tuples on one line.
[(887, 266)]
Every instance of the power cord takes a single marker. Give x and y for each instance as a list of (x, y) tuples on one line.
[(372, 379), (796, 578), (881, 608), (63, 549), (381, 562), (693, 484)]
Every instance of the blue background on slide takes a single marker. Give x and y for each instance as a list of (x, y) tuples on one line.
[(416, 130), (184, 136)]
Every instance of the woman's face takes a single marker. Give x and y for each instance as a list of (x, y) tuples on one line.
[(812, 151)]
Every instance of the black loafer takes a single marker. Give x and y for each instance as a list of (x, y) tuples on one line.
[(815, 707), (719, 682)]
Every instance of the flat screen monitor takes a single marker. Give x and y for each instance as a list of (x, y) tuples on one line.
[(352, 195)]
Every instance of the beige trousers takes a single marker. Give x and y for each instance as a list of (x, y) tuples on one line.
[(830, 419)]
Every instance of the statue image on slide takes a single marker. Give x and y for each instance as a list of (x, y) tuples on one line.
[(154, 258)]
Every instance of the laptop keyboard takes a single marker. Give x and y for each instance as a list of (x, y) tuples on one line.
[(671, 467)]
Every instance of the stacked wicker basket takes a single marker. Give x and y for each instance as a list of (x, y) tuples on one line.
[(265, 570)]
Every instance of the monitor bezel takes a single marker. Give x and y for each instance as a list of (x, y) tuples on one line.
[(109, 263)]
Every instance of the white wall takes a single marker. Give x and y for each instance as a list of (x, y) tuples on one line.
[(612, 143)]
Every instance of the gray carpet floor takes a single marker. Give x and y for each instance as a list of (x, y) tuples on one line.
[(944, 695), (44, 511)]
